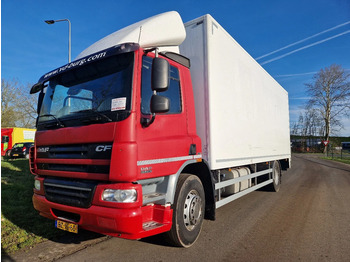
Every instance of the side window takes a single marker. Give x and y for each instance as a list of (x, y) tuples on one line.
[(173, 92), (146, 90), (5, 139)]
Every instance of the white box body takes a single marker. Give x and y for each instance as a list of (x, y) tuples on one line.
[(242, 113)]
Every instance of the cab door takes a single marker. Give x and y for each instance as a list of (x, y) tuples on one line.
[(164, 145)]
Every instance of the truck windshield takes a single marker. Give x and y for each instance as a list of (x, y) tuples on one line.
[(95, 93)]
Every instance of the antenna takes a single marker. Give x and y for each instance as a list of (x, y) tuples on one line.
[(140, 34)]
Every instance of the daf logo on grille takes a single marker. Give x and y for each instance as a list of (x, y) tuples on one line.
[(103, 148), (43, 149)]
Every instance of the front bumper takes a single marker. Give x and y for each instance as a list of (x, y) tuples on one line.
[(130, 223)]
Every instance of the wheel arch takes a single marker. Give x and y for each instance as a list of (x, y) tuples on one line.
[(285, 163), (166, 186), (201, 170)]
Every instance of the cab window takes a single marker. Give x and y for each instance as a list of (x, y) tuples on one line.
[(173, 92)]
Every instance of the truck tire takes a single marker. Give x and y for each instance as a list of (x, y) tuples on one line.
[(276, 176), (188, 211)]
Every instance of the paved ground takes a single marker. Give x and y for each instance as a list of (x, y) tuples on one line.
[(308, 220)]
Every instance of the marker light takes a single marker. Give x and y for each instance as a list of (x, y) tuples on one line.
[(119, 195)]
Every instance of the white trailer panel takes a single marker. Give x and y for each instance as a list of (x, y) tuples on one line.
[(242, 112)]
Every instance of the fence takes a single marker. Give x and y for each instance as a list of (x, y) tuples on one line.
[(338, 153)]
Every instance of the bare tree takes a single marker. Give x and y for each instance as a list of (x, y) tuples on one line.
[(294, 129), (18, 108), (301, 124), (309, 128), (9, 97), (330, 96), (312, 123)]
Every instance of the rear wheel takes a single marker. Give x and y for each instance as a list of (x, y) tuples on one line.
[(276, 176), (188, 211)]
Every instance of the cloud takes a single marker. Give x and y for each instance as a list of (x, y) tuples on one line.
[(303, 40), (296, 75), (304, 47), (294, 112), (300, 98), (346, 127)]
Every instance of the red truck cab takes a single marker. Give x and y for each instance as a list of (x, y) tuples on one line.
[(109, 149)]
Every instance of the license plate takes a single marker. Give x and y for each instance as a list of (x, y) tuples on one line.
[(15, 154), (70, 227)]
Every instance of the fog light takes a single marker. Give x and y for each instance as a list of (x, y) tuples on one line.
[(37, 185), (118, 195)]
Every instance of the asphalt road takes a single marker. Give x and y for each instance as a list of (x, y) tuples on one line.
[(307, 220)]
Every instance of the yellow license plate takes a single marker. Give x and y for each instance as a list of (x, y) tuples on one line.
[(70, 227), (15, 154)]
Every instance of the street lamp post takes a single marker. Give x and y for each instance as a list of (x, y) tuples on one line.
[(50, 22)]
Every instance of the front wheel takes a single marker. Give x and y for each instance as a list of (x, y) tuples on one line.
[(188, 211)]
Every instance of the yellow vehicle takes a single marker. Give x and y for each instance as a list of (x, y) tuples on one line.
[(13, 135)]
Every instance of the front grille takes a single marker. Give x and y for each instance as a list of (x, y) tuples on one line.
[(66, 215), (77, 151), (71, 192), (100, 169), (80, 158), (31, 160)]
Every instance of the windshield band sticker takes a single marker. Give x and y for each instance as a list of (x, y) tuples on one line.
[(76, 63)]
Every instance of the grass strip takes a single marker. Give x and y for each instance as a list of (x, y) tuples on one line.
[(345, 161), (21, 225)]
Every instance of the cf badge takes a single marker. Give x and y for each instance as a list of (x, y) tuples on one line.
[(103, 148)]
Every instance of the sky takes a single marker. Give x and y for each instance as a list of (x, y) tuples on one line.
[(316, 34)]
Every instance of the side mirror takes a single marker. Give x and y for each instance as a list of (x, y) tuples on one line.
[(160, 81), (37, 87), (160, 74), (160, 104)]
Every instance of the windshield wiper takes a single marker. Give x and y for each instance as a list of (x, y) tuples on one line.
[(98, 117), (58, 123)]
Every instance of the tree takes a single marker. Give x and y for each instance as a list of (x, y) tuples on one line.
[(18, 107), (309, 128), (330, 96), (312, 123), (8, 102)]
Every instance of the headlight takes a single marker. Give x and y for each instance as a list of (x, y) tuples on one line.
[(37, 185), (119, 195)]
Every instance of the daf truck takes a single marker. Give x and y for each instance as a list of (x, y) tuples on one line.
[(153, 128)]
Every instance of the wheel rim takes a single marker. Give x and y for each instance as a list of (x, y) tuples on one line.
[(276, 175), (192, 210)]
